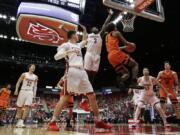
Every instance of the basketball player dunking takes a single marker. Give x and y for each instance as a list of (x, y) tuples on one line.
[(147, 96), (77, 79), (168, 78), (118, 58), (26, 94)]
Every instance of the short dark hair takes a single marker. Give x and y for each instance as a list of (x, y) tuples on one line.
[(167, 62), (146, 68), (94, 30), (110, 27), (30, 66), (70, 34)]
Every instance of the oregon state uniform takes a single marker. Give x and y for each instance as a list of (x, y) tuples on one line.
[(4, 98), (25, 96), (116, 56), (93, 51), (167, 79)]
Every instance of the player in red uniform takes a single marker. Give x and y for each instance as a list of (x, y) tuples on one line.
[(61, 84), (4, 101)]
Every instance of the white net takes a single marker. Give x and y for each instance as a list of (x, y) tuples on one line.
[(128, 22)]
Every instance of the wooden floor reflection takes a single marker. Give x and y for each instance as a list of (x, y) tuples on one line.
[(90, 130)]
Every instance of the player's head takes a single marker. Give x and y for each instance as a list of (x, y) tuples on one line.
[(145, 71), (94, 30), (72, 35), (167, 65), (110, 27), (31, 67)]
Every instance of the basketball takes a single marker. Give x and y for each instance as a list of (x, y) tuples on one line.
[(131, 47)]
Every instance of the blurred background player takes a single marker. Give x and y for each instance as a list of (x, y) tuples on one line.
[(168, 79), (77, 79), (61, 84), (4, 101), (148, 96), (28, 91), (120, 60)]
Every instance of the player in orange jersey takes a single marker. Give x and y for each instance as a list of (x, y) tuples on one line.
[(4, 101), (168, 78), (118, 58)]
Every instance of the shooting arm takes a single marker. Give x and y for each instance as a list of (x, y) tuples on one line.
[(106, 21), (85, 36)]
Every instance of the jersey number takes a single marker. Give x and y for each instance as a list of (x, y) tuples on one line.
[(95, 40), (29, 83)]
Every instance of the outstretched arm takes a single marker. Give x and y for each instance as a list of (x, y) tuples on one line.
[(107, 20), (85, 36)]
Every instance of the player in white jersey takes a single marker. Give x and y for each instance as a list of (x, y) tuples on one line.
[(93, 51), (77, 79), (26, 94), (147, 96)]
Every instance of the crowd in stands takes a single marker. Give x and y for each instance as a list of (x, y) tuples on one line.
[(114, 108)]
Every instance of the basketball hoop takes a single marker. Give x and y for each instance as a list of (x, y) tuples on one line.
[(128, 22)]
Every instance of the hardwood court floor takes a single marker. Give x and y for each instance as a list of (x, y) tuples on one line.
[(90, 130)]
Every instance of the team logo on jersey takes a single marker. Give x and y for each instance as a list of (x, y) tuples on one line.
[(41, 32)]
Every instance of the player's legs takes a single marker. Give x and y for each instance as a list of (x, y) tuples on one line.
[(163, 98), (174, 101), (93, 104), (122, 76), (161, 112), (19, 109), (57, 110), (59, 106), (91, 75), (91, 65), (86, 88), (69, 117), (138, 110), (25, 112), (2, 115), (70, 105), (134, 70)]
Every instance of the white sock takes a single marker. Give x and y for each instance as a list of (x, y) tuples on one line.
[(53, 119), (137, 113)]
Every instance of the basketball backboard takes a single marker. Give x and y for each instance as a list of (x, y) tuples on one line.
[(154, 12)]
